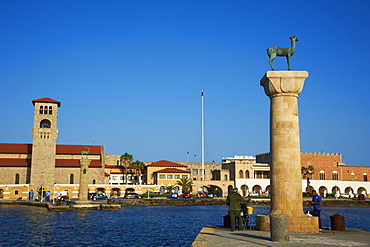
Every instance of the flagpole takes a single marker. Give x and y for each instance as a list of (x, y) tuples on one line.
[(202, 136)]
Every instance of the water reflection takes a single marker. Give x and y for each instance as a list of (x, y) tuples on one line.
[(131, 226)]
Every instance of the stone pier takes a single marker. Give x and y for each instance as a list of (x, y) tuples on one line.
[(283, 88)]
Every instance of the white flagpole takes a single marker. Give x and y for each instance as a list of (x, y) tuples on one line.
[(202, 136)]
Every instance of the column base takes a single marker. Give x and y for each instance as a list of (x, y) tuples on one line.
[(304, 224)]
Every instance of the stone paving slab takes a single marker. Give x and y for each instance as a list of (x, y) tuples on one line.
[(214, 236)]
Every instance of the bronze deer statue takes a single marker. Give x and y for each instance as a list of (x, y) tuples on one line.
[(86, 153), (274, 51)]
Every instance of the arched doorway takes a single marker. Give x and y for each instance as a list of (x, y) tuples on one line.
[(335, 191), (360, 190), (162, 190), (323, 191), (257, 189), (129, 190), (115, 192), (217, 191), (349, 191), (309, 189), (229, 189), (100, 190), (268, 190), (245, 190)]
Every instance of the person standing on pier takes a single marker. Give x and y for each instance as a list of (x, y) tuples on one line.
[(233, 200), (316, 203)]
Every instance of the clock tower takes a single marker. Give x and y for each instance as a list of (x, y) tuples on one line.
[(44, 137)]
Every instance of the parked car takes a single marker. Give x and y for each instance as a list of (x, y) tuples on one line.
[(174, 196), (345, 195), (186, 195), (99, 196), (209, 195), (201, 195), (361, 197), (133, 196)]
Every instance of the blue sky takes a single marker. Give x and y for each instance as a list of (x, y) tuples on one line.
[(129, 74)]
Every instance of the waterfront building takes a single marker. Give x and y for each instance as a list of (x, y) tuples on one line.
[(44, 169)]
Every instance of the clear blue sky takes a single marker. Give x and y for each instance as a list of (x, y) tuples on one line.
[(129, 74)]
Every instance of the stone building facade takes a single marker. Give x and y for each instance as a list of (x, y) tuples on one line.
[(45, 166)]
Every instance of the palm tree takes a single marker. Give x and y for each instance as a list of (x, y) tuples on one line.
[(169, 188), (126, 160), (186, 184), (307, 173), (139, 168)]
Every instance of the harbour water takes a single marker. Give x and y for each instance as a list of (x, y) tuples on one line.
[(131, 226)]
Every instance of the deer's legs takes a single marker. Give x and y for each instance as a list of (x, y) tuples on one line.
[(288, 61), (272, 57)]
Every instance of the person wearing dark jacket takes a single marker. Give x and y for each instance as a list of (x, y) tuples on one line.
[(233, 200)]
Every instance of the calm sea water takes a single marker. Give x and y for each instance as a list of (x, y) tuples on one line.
[(131, 226)]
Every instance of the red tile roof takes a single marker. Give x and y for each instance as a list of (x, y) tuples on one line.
[(109, 166), (171, 170), (15, 148), (15, 162), (165, 163), (74, 163), (46, 100), (76, 149)]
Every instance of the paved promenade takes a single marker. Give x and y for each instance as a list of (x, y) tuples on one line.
[(219, 236)]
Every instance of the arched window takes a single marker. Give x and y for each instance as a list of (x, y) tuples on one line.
[(71, 179), (94, 181), (45, 124), (322, 175), (16, 178), (225, 177), (365, 177), (50, 110), (334, 175), (41, 109), (45, 110), (352, 176), (247, 174), (241, 174)]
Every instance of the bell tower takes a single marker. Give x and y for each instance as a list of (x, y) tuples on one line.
[(44, 137)]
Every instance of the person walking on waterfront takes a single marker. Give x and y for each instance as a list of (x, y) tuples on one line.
[(316, 203), (233, 200)]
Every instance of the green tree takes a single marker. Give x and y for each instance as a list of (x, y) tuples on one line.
[(126, 160), (139, 169), (186, 184), (169, 188), (307, 173)]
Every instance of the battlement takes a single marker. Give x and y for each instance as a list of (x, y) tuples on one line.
[(313, 153), (322, 153)]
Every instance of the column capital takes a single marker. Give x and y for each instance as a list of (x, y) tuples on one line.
[(277, 82)]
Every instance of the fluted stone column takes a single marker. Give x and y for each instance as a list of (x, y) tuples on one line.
[(283, 88), (83, 189)]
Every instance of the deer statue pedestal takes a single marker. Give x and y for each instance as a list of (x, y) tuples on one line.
[(283, 88), (83, 189)]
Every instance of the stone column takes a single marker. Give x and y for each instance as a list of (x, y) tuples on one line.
[(283, 88), (83, 189)]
